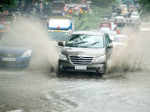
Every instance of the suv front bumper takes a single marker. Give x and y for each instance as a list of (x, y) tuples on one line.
[(67, 66)]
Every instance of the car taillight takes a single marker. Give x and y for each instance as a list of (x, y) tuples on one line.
[(118, 31)]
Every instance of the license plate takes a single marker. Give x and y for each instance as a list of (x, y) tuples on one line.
[(8, 59), (80, 67)]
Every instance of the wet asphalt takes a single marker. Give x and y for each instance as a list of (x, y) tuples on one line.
[(42, 91)]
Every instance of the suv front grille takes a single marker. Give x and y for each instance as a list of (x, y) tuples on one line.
[(81, 60)]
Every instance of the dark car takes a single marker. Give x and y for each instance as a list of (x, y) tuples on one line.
[(85, 52), (13, 55)]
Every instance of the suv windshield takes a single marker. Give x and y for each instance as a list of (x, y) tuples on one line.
[(85, 41)]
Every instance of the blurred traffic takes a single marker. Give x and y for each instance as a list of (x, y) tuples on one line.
[(74, 56), (58, 18)]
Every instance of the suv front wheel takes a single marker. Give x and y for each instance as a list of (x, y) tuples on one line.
[(101, 72), (59, 71)]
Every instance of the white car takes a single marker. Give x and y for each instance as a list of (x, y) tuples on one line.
[(135, 18), (105, 30), (135, 15), (120, 20)]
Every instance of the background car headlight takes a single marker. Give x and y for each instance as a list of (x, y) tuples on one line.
[(27, 53), (99, 59), (62, 57)]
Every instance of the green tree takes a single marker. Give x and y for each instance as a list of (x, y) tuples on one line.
[(103, 3), (145, 4), (8, 3)]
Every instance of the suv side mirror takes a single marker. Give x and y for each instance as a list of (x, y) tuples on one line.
[(61, 44), (110, 45)]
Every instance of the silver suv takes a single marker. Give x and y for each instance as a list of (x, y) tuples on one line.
[(85, 51)]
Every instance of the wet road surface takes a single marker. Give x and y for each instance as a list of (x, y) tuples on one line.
[(42, 91), (37, 92)]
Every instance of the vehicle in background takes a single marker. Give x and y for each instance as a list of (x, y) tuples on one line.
[(85, 51), (109, 27), (105, 30), (121, 9), (132, 8), (105, 27), (5, 23), (59, 29), (120, 21), (135, 18), (4, 27), (108, 24), (76, 9), (58, 7), (13, 54), (124, 9)]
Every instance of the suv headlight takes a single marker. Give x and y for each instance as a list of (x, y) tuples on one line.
[(99, 59), (27, 53), (62, 57)]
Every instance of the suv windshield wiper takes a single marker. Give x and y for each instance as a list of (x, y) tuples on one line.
[(94, 43), (91, 45), (76, 43)]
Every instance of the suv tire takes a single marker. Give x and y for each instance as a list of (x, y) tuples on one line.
[(101, 73), (59, 72)]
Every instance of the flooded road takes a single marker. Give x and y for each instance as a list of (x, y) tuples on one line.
[(35, 90), (38, 92)]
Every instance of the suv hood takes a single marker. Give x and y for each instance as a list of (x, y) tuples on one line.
[(92, 52)]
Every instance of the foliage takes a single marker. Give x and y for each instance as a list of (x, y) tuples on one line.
[(8, 3), (92, 19), (145, 5), (102, 3)]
